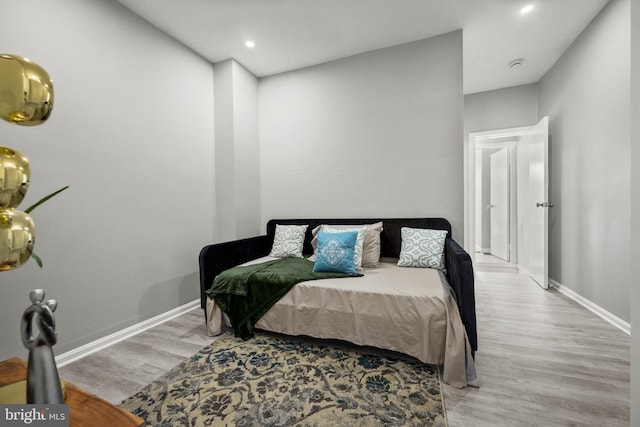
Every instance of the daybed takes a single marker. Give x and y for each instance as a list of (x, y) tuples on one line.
[(409, 310)]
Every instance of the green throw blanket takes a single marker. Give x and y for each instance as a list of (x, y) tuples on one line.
[(246, 293)]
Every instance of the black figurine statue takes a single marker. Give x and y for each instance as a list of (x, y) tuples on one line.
[(43, 382)]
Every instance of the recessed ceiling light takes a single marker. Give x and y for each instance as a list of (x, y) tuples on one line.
[(249, 43), (516, 63), (528, 8)]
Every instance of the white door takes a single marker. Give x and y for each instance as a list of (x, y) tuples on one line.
[(499, 205), (538, 202)]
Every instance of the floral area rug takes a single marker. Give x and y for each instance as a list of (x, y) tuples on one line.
[(275, 380)]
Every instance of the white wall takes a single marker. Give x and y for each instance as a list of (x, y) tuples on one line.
[(132, 134), (635, 209), (586, 96), (377, 134), (483, 222)]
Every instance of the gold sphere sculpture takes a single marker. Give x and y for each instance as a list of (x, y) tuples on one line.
[(17, 237), (14, 177), (26, 91)]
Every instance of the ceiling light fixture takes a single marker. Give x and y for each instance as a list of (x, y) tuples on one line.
[(249, 44), (528, 8), (516, 63)]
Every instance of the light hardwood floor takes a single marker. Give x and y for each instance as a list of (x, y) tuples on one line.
[(543, 360), (122, 369)]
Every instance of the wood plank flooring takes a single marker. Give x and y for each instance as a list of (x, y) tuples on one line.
[(122, 369), (543, 360)]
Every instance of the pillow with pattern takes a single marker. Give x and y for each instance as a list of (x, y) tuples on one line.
[(288, 241), (370, 252), (357, 257), (370, 242), (336, 253), (422, 247)]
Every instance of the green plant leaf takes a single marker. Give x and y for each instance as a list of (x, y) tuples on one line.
[(44, 199), (37, 259), (35, 205)]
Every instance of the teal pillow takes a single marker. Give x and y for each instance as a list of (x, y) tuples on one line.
[(336, 253)]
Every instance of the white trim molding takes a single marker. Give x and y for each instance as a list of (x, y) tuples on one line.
[(591, 306), (104, 342)]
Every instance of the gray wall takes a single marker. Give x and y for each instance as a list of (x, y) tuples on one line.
[(635, 209), (237, 162), (586, 96), (132, 134), (377, 134), (225, 173), (500, 109), (247, 153)]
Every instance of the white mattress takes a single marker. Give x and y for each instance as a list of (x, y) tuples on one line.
[(409, 310)]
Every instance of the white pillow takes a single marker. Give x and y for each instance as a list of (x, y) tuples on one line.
[(370, 244), (422, 248), (288, 241), (357, 257)]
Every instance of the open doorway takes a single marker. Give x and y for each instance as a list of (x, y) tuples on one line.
[(495, 200), (494, 211)]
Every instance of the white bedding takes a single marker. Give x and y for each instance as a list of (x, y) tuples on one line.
[(409, 310)]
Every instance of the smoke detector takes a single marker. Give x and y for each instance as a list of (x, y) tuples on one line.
[(516, 63)]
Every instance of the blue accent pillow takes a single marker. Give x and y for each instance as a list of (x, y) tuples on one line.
[(336, 253)]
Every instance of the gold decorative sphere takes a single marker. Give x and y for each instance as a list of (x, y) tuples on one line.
[(26, 91), (17, 237), (14, 177)]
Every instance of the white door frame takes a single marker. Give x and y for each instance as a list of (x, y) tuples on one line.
[(482, 140)]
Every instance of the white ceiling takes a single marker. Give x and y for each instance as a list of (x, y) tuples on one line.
[(291, 34)]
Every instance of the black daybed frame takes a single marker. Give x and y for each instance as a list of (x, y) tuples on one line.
[(218, 257)]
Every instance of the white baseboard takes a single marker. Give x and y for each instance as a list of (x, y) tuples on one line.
[(609, 317), (522, 270), (99, 344)]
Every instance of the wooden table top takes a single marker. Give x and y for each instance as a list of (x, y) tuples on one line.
[(85, 409)]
